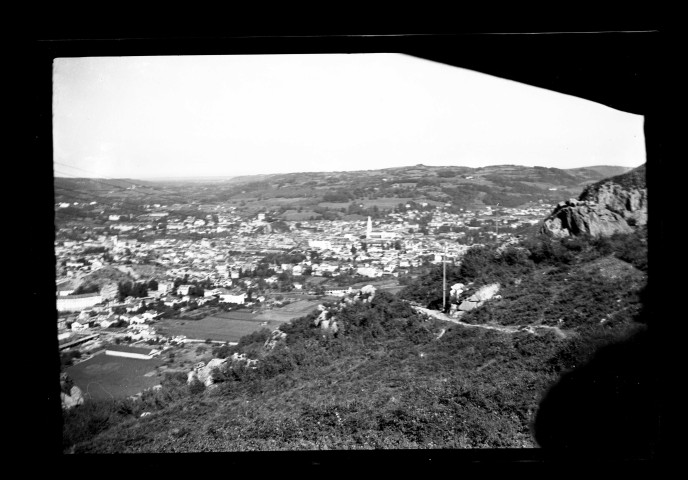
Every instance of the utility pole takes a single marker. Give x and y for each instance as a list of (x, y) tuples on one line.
[(444, 280)]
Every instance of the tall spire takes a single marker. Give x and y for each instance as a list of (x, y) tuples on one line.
[(369, 228)]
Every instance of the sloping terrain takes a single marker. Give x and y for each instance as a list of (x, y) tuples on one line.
[(388, 378)]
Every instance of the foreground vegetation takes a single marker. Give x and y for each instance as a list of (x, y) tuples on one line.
[(390, 378)]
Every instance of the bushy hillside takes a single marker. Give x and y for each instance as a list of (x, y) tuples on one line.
[(389, 377)]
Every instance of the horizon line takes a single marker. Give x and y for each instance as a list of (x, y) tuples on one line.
[(227, 176)]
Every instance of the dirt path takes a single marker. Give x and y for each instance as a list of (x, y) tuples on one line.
[(504, 329)]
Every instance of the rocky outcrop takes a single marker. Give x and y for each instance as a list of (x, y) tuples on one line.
[(482, 295), (70, 394), (616, 205), (73, 398), (275, 337), (365, 294), (243, 359), (326, 321), (573, 217), (204, 374)]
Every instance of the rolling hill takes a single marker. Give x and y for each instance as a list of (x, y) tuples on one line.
[(462, 187)]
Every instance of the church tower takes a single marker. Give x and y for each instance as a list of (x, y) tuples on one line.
[(369, 228)]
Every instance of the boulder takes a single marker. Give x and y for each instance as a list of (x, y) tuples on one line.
[(456, 290), (275, 337), (74, 398), (468, 305), (329, 325), (204, 374), (484, 293), (368, 291), (322, 317)]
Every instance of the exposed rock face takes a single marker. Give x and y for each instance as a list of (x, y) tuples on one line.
[(483, 294), (574, 217), (75, 397), (367, 293), (616, 205), (204, 374), (273, 339), (326, 320)]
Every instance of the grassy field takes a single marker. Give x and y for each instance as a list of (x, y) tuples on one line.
[(293, 310), (105, 377), (231, 326), (215, 328)]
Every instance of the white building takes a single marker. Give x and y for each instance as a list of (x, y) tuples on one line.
[(320, 244), (184, 289), (233, 297), (369, 272)]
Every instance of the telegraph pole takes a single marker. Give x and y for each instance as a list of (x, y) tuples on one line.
[(444, 279)]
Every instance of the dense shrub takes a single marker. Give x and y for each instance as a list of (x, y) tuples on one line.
[(631, 248), (482, 264)]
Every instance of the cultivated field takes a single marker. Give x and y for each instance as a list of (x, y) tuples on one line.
[(288, 312), (231, 326), (105, 377), (215, 328)]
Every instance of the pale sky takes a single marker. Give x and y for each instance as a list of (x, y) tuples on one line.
[(175, 116)]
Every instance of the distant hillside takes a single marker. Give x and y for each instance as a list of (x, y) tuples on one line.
[(602, 170), (342, 195), (635, 179), (101, 184)]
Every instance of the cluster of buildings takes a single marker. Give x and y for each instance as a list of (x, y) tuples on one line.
[(372, 249), (389, 246)]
